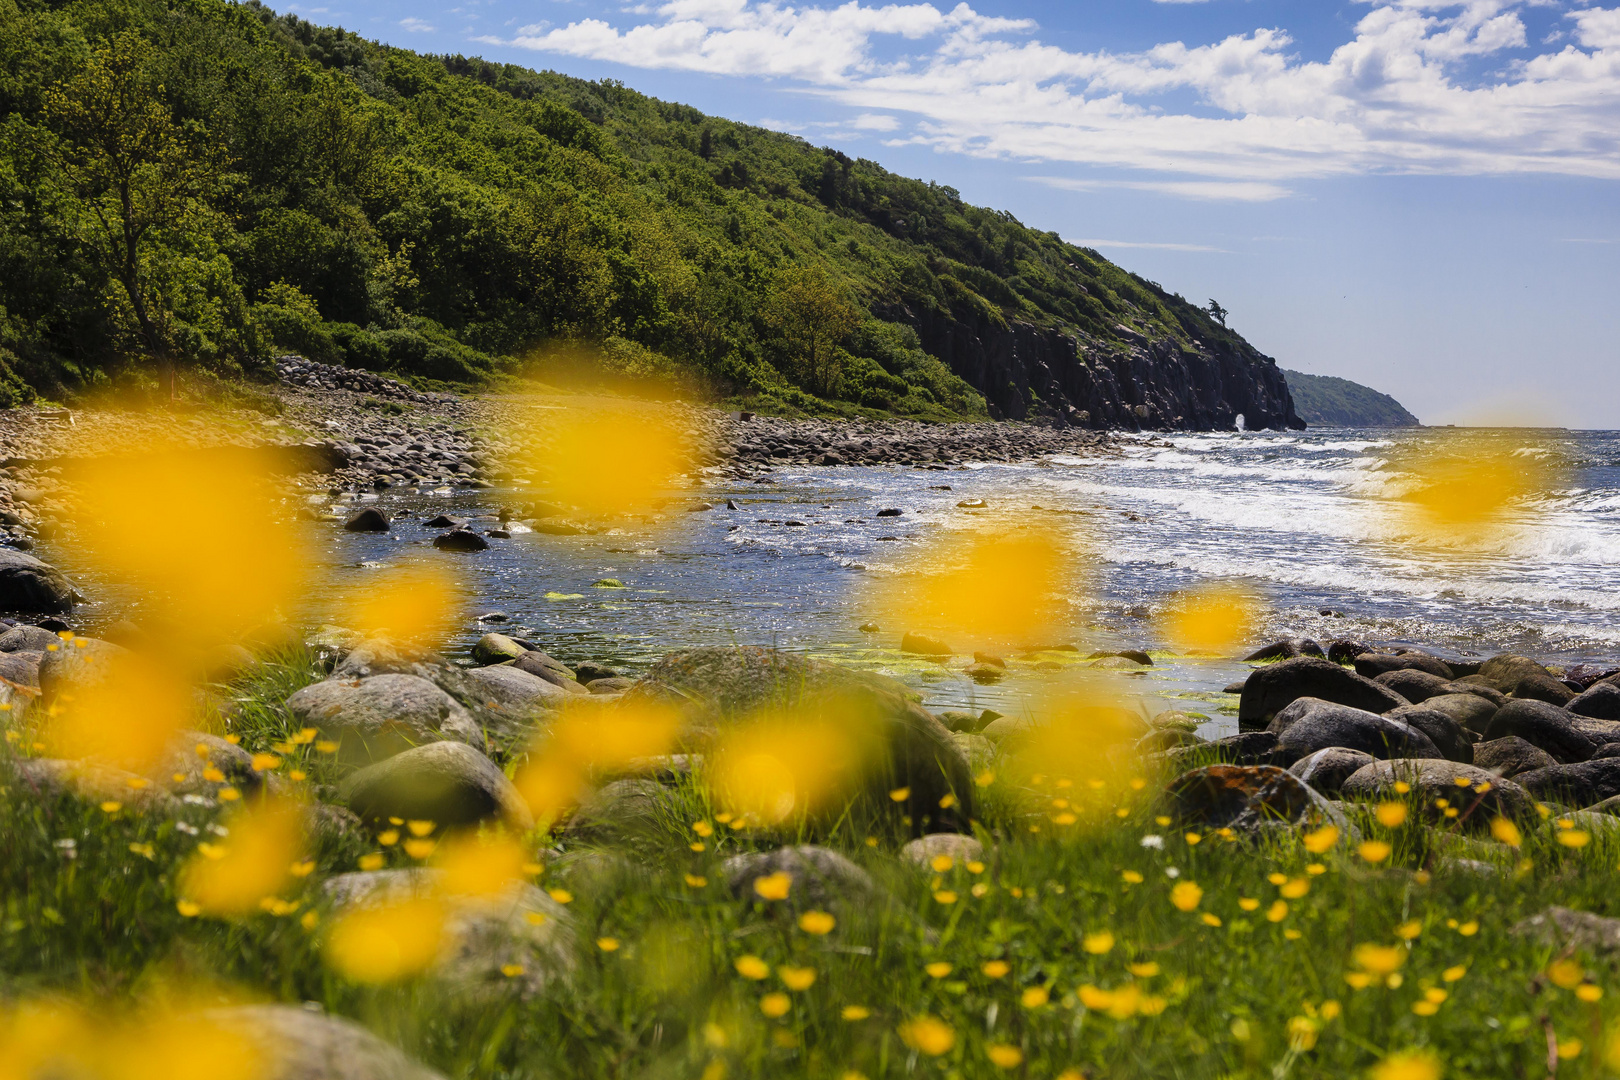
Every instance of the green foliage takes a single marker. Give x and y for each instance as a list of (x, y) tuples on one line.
[(169, 171), (1328, 401)]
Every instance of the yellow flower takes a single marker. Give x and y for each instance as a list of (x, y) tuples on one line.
[(945, 896), (975, 867), (1145, 970), (995, 969), (985, 779), (855, 1012), (752, 967), (775, 1005), (188, 909), (1035, 997), (1301, 1033), (1506, 832), (263, 762), (773, 886), (1435, 994), (388, 837), (1096, 1000), (1589, 992), (1452, 974), (797, 978), (1321, 840), (1132, 877), (536, 918), (698, 845), (1469, 928), (382, 944), (562, 896), (900, 794), (1293, 890), (1315, 868), (1192, 839), (1277, 912), (1098, 943), (229, 794), (326, 747), (816, 922), (1210, 919), (1402, 787), (1378, 959), (1277, 879), (1374, 851), (1409, 930), (703, 828), (419, 849), (1292, 935), (928, 1035), (1186, 895), (1569, 1048), (607, 944), (303, 868), (1425, 1008), (1358, 980), (1331, 1009), (419, 828), (941, 863), (695, 881), (110, 807), (979, 888), (1392, 815), (938, 969), (947, 802), (373, 861), (1574, 838), (1565, 973), (309, 920), (1004, 1057), (1248, 903)]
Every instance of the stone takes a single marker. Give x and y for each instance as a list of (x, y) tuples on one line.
[(187, 755), (30, 586), (1563, 928), (1245, 797), (615, 685), (621, 811), (589, 671), (889, 512), (1244, 748), (955, 720), (448, 783), (1601, 700), (986, 674), (1286, 649), (508, 688), (1115, 663), (1511, 756), (553, 671), (1344, 651), (379, 716), (923, 646), (444, 521), (1472, 712), (719, 689), (1354, 729), (1504, 672), (818, 876), (1372, 665), (1270, 689), (89, 782), (1479, 689), (73, 667), (497, 649), (461, 540), (1447, 735), (369, 519), (1327, 769), (1414, 685), (1544, 725), (960, 849), (1543, 688), (20, 670), (1436, 778), (298, 1043), (25, 638), (1581, 784)]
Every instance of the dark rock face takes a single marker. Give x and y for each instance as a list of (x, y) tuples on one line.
[(1328, 769), (448, 783), (1511, 756), (1373, 665), (1286, 649), (31, 587), (1270, 689), (1317, 725), (1544, 725), (1601, 700), (1025, 371), (1579, 785), (1411, 684), (1437, 778), (1479, 690), (461, 540), (370, 519), (1244, 796)]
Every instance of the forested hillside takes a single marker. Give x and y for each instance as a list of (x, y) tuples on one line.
[(1329, 401), (198, 185)]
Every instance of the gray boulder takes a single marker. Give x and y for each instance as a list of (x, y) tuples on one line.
[(448, 783), (954, 846), (460, 540), (513, 690), (292, 1042), (1582, 784), (1371, 665), (369, 519), (1561, 928), (1504, 672), (1471, 712), (1270, 689), (29, 586), (75, 667), (1542, 724), (54, 778), (1601, 700), (1446, 734), (1436, 778), (1414, 685), (25, 638), (1480, 689), (379, 716), (496, 649), (622, 811), (1285, 649), (818, 876), (555, 672), (1328, 768), (191, 753), (1543, 688), (1245, 797), (1310, 724), (1511, 756)]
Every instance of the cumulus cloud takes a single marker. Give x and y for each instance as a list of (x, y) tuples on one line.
[(1397, 96), (417, 26)]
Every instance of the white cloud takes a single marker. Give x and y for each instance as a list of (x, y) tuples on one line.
[(1396, 97), (1100, 244), (1203, 190), (875, 122), (417, 26)]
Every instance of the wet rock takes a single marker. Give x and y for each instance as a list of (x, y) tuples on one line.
[(1245, 797), (1601, 700), (1270, 689), (517, 924), (1343, 650), (1447, 735), (449, 783), (1504, 672), (508, 688), (818, 876), (1511, 756), (497, 649), (716, 688), (1414, 685), (955, 720), (554, 671), (1327, 769), (985, 674), (1160, 740), (369, 519), (376, 717), (960, 849), (1479, 689), (295, 1043), (461, 540), (1115, 663), (30, 586), (444, 521), (1580, 784), (1565, 928), (923, 646), (1436, 778), (1544, 725), (1286, 649), (1543, 688), (889, 512), (1471, 711), (590, 671), (1309, 724), (1371, 665)]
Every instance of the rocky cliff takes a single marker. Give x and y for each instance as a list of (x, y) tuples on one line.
[(1329, 401), (1029, 372)]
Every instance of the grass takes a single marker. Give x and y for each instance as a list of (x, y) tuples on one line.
[(1104, 975)]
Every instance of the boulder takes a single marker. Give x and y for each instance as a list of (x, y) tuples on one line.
[(512, 690), (379, 716), (923, 646), (72, 667), (1447, 735), (1479, 689), (818, 876), (610, 686), (1504, 672), (718, 689), (1286, 649), (1414, 685), (29, 586), (516, 924), (1327, 769), (52, 778), (293, 1042), (1540, 687), (21, 670), (589, 671), (1544, 725), (460, 540), (369, 519), (1601, 700), (1600, 732), (623, 810), (496, 649), (1310, 724), (1245, 797), (25, 638), (1580, 785), (448, 783), (1472, 712), (960, 849), (553, 671), (1563, 928), (444, 521), (1344, 651), (1436, 778), (1371, 665), (191, 753), (1270, 689), (1511, 756), (987, 674)]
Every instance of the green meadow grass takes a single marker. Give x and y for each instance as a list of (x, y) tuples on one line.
[(1104, 975)]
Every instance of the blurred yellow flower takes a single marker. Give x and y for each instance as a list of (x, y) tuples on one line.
[(1468, 929), (1321, 840), (1506, 832), (608, 944), (1185, 895), (855, 1012), (1248, 903), (480, 865), (816, 922), (1210, 919), (752, 967), (1391, 814), (938, 969), (1004, 1057), (1589, 992), (1098, 943), (1378, 959), (945, 896), (254, 862), (696, 881), (797, 978), (775, 1005), (379, 944), (995, 969), (1409, 930), (1452, 974), (611, 459), (1565, 973), (773, 886), (1035, 997), (1277, 912), (1411, 1065), (1374, 851), (1211, 619), (1131, 877), (1145, 970), (1574, 838), (928, 1035)]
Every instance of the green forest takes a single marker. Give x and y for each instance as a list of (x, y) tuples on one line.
[(198, 186)]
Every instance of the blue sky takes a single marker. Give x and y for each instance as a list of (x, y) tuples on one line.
[(1419, 195)]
